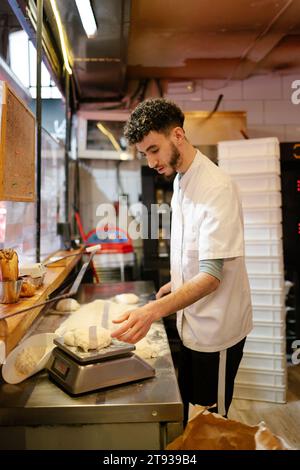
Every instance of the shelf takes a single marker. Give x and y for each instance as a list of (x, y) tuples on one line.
[(12, 329)]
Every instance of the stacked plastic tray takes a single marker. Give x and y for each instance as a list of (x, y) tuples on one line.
[(254, 164)]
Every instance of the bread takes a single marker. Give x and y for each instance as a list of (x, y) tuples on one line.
[(9, 265)]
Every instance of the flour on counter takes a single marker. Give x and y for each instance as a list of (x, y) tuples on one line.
[(28, 359)]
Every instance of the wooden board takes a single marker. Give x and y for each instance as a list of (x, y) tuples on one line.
[(17, 148), (14, 328), (205, 128)]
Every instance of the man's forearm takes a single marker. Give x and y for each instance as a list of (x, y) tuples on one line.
[(193, 290)]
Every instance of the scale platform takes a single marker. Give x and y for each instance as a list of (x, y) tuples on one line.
[(80, 372)]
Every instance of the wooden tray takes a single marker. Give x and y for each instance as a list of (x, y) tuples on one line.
[(12, 329)]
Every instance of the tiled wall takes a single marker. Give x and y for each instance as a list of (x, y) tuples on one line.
[(265, 98)]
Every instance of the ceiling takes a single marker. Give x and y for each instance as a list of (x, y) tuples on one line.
[(173, 40), (228, 39)]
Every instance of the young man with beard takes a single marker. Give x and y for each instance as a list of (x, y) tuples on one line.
[(209, 287)]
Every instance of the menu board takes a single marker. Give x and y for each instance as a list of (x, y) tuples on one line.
[(17, 148)]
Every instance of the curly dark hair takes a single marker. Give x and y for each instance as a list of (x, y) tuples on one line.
[(155, 114)]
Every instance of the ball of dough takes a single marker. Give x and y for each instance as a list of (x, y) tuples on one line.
[(127, 299), (67, 305), (146, 349), (93, 337), (28, 359)]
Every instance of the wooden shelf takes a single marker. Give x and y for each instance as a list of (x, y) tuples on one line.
[(12, 329)]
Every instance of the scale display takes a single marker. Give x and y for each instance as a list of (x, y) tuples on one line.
[(61, 367)]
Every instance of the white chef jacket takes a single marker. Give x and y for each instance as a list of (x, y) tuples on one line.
[(207, 223)]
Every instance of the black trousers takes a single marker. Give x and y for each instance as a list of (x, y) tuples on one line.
[(198, 376)]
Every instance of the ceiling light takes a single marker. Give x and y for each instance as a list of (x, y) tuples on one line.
[(110, 136), (87, 17), (61, 36), (125, 156)]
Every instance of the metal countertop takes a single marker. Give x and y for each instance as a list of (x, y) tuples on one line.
[(38, 401)]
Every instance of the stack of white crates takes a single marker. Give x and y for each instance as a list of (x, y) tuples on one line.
[(254, 164)]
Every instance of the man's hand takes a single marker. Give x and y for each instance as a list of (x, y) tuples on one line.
[(137, 324), (164, 290), (138, 321)]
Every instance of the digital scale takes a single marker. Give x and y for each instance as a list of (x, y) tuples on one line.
[(79, 372)]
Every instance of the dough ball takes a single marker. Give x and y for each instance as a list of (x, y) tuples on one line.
[(93, 337), (28, 359), (67, 305), (127, 299)]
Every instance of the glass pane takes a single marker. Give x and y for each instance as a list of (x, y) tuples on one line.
[(46, 92), (33, 92), (18, 52), (105, 135), (56, 93)]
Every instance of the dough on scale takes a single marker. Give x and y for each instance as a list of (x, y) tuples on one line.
[(28, 359), (127, 299), (67, 305), (93, 337)]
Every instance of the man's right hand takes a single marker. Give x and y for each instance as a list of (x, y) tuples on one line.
[(164, 290)]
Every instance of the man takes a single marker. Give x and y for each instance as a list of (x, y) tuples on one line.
[(209, 287)]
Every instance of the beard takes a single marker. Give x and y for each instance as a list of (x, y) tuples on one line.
[(174, 162)]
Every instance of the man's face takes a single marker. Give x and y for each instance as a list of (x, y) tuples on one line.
[(161, 152)]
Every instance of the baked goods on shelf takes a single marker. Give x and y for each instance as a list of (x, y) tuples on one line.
[(9, 265), (28, 289)]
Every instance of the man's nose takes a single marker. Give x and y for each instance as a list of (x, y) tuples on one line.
[(152, 161)]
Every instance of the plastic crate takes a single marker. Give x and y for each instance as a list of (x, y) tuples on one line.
[(263, 248), (263, 281), (268, 146), (261, 199), (270, 298), (268, 314), (251, 165), (265, 265), (262, 215), (267, 330), (265, 345), (266, 182), (263, 232), (260, 377), (260, 393), (263, 361)]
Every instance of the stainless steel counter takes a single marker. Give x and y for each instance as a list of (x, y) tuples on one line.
[(36, 414)]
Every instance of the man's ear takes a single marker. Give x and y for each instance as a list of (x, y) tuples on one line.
[(178, 134)]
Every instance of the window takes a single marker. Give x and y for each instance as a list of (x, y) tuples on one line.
[(22, 57)]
